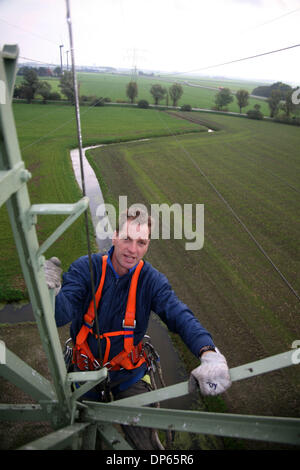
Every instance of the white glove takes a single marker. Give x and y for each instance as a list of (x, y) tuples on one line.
[(212, 376), (53, 272)]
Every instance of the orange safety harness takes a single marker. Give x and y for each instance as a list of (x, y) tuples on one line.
[(132, 356)]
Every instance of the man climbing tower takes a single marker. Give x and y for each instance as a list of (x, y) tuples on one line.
[(128, 289)]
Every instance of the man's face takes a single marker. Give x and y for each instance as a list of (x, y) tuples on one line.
[(130, 245)]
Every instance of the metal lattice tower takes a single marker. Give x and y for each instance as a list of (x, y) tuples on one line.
[(76, 423)]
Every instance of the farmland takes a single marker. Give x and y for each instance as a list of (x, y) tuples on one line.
[(230, 285), (46, 135), (114, 87)]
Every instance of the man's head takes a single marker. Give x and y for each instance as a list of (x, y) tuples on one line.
[(131, 240)]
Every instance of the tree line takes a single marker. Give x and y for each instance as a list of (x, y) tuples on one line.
[(279, 100), (159, 93), (41, 71), (32, 85)]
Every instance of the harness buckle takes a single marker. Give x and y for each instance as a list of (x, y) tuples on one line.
[(83, 360), (128, 327), (109, 366)]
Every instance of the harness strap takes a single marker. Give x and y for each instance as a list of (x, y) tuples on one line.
[(132, 356), (89, 317), (129, 320)]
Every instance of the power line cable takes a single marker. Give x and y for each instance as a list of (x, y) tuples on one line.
[(79, 137), (202, 68), (38, 61), (234, 61), (274, 19)]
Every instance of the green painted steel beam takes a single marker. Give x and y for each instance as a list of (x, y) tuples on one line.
[(112, 437), (12, 180), (263, 366), (90, 379), (245, 371), (18, 207), (60, 209), (75, 210), (26, 378), (155, 396), (61, 439), (10, 54), (264, 428), (89, 375), (89, 438)]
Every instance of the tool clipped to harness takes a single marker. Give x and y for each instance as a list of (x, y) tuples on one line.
[(68, 354), (153, 361)]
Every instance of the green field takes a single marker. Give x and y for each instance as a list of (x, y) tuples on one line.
[(232, 84), (229, 284), (114, 87), (46, 135), (255, 166)]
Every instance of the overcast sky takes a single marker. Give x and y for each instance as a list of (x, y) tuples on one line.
[(166, 35)]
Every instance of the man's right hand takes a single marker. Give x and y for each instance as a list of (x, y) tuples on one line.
[(52, 269)]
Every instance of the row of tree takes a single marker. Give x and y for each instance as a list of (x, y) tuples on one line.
[(225, 97), (41, 71), (32, 85), (158, 92), (277, 100), (266, 90), (280, 98)]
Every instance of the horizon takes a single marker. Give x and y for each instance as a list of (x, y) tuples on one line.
[(258, 81), (233, 38)]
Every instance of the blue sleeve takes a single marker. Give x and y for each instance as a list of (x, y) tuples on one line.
[(178, 317), (72, 300)]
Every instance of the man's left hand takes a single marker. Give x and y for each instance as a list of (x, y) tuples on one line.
[(52, 270), (212, 376)]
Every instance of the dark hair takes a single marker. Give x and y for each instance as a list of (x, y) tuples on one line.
[(138, 215)]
